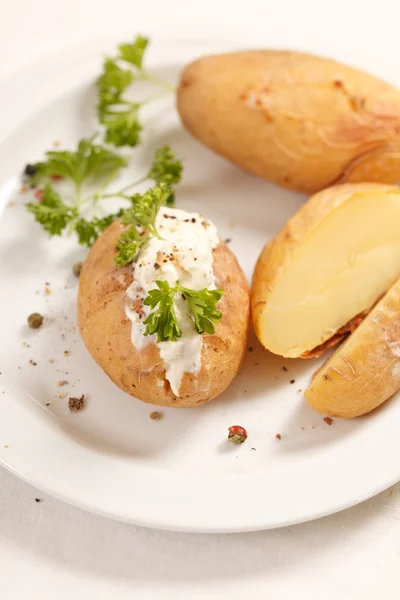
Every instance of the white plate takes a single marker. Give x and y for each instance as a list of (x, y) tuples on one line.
[(178, 473)]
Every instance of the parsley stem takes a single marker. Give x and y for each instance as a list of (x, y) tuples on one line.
[(98, 195), (117, 194), (77, 204), (167, 86), (127, 187), (155, 96)]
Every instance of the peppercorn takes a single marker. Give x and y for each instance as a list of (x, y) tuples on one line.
[(30, 170), (76, 269), (237, 434), (35, 320)]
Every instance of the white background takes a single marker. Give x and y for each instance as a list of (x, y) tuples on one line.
[(51, 550)]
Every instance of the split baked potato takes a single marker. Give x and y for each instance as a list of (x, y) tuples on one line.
[(365, 370), (107, 331), (298, 120), (319, 277)]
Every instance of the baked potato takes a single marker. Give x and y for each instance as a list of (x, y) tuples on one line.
[(319, 277), (365, 370), (111, 315), (300, 121)]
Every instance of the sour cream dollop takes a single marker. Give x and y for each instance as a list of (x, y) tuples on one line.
[(183, 254)]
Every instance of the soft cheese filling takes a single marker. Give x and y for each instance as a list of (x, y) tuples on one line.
[(183, 254)]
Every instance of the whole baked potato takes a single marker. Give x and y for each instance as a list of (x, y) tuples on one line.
[(300, 121), (183, 373)]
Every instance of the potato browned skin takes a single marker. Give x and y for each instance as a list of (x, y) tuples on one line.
[(365, 370), (298, 120), (106, 330)]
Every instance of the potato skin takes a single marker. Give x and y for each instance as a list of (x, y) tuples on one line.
[(106, 330), (298, 120), (278, 253), (365, 370)]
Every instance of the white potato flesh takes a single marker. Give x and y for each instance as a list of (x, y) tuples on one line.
[(340, 270)]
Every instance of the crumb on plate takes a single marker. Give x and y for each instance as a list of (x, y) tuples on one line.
[(76, 404), (156, 415)]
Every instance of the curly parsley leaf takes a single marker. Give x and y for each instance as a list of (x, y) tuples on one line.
[(52, 213), (121, 122), (112, 83), (133, 53), (166, 168), (89, 231), (142, 215), (145, 208), (203, 306), (118, 114), (88, 160), (163, 320), (128, 246)]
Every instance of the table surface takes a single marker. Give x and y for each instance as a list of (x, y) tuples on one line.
[(51, 550)]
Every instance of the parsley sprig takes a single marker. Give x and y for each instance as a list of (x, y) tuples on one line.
[(202, 304), (89, 160), (118, 114), (52, 213), (91, 163), (142, 220), (145, 208), (128, 245), (163, 321), (95, 163)]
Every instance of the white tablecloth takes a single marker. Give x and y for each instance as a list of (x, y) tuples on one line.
[(50, 550)]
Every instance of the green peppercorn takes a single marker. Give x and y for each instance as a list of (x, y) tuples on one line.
[(76, 269), (35, 320)]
